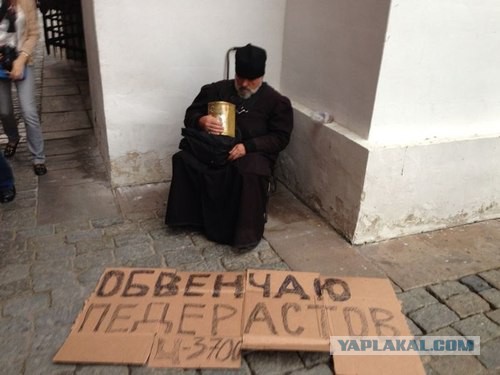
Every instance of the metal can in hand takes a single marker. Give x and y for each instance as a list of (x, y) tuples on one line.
[(225, 112)]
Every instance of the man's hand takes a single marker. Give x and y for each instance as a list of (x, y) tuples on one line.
[(237, 152), (210, 124)]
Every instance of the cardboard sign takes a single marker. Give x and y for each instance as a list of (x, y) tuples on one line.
[(282, 312), (160, 316), (368, 307), (165, 318), (206, 323)]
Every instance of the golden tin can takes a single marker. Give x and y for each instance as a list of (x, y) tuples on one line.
[(225, 112)]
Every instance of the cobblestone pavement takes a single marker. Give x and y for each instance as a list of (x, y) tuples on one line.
[(469, 306), (48, 269)]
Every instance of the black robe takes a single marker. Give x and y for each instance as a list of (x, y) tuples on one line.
[(229, 203)]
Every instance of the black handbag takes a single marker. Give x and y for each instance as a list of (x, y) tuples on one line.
[(209, 149)]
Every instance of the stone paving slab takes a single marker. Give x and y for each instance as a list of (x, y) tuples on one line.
[(92, 198), (86, 162), (58, 81), (77, 175), (57, 68), (494, 316), (433, 317), (415, 299), (81, 147), (52, 122), (492, 296), (448, 289), (456, 365), (60, 90), (67, 133), (276, 363), (492, 277), (441, 255), (467, 304), (478, 325), (475, 283), (149, 197), (64, 103), (307, 243), (489, 355)]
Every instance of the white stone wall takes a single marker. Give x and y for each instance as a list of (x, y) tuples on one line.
[(428, 186), (325, 166), (154, 55), (439, 77), (417, 108), (435, 133), (95, 82), (331, 57)]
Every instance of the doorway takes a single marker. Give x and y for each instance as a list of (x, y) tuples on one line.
[(63, 28)]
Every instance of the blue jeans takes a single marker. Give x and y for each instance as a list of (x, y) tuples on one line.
[(6, 177), (26, 94)]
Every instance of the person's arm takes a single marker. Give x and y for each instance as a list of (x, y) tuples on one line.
[(197, 109), (280, 127), (29, 40), (32, 29), (196, 115)]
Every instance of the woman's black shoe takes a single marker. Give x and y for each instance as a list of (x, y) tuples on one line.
[(10, 149), (40, 169), (7, 195)]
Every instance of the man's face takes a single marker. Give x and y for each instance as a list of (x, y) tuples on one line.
[(247, 87)]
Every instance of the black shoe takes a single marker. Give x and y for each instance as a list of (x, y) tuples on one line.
[(7, 195), (40, 169), (241, 249), (10, 149)]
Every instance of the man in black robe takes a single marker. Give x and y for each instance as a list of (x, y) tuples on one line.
[(228, 203)]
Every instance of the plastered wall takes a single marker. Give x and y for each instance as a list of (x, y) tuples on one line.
[(414, 90), (439, 77), (152, 58)]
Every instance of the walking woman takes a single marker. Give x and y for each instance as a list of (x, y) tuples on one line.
[(19, 33)]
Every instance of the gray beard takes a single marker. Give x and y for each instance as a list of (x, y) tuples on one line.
[(246, 93)]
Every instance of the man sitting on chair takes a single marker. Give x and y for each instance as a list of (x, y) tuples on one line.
[(228, 203)]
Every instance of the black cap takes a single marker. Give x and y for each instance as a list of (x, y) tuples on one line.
[(250, 62)]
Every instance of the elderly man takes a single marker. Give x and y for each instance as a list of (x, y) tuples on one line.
[(228, 203)]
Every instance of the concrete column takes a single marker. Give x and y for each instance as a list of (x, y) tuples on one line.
[(415, 91)]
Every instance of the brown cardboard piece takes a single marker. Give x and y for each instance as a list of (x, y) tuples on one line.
[(372, 309), (165, 318), (280, 312), (109, 328), (207, 323), (160, 317)]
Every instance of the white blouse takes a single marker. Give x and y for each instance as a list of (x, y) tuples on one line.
[(12, 38)]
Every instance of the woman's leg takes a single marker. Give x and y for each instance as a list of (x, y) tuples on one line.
[(34, 137), (6, 177), (7, 189), (7, 112)]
